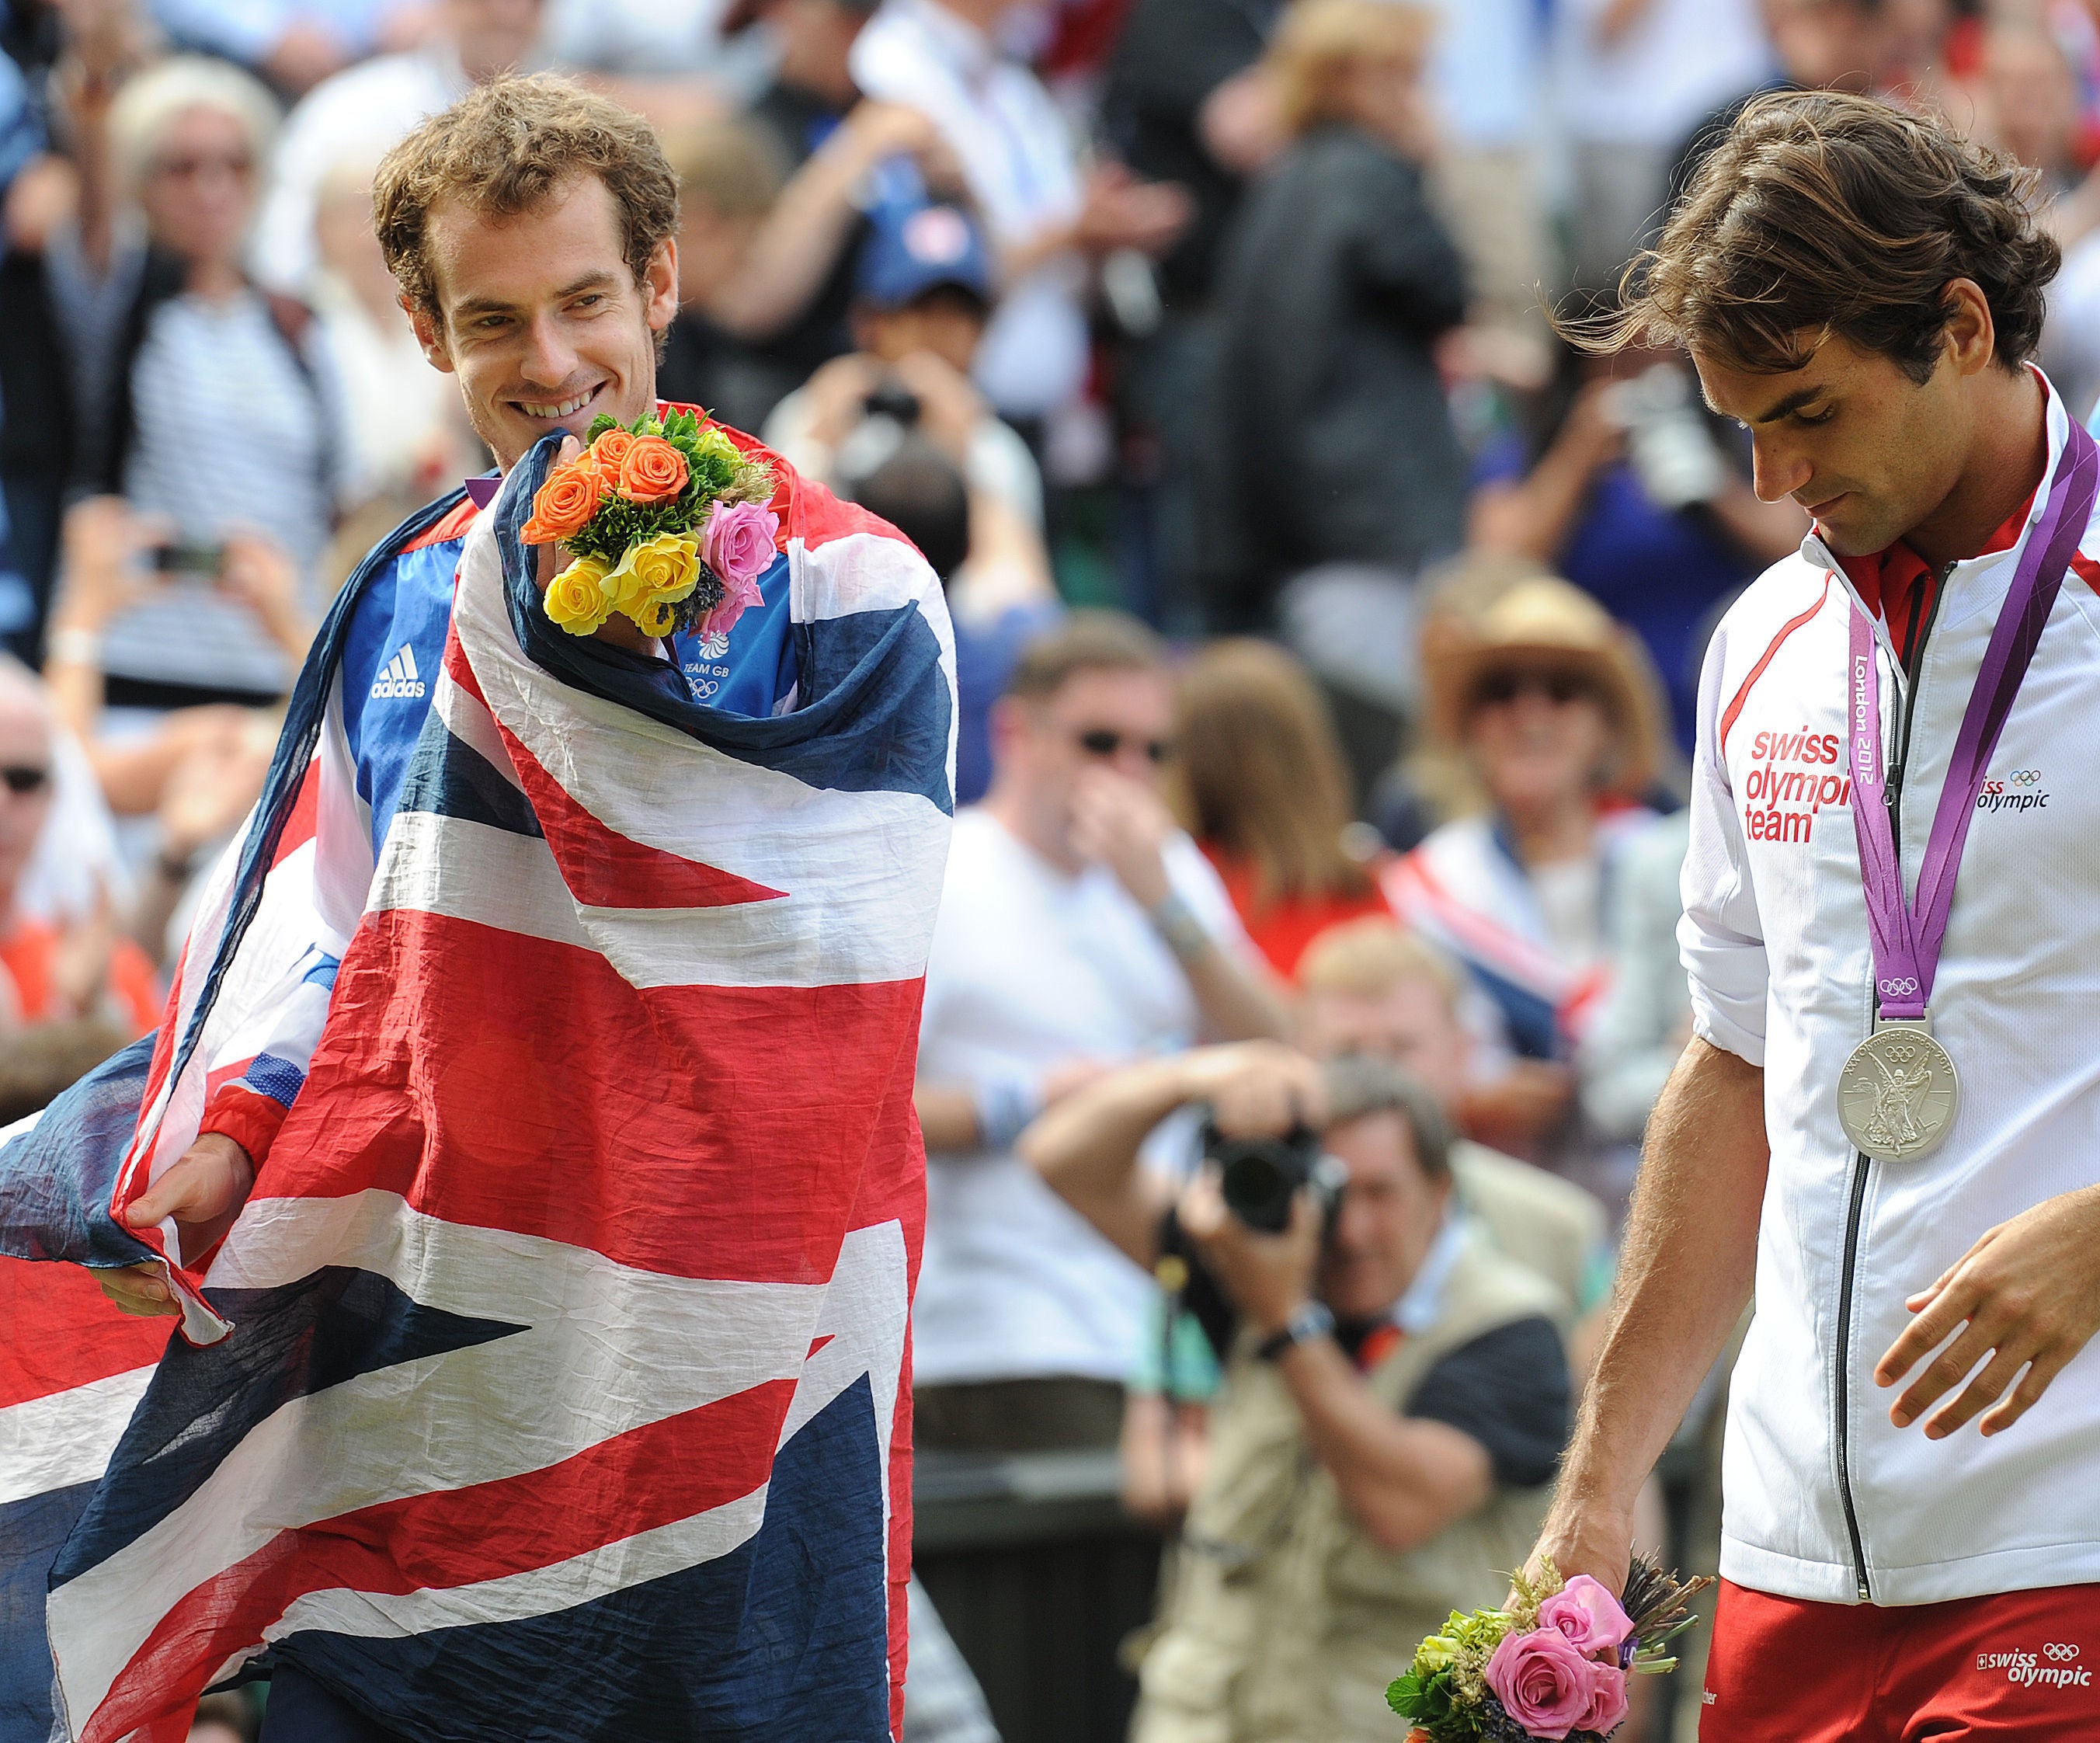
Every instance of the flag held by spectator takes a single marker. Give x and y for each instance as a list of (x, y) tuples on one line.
[(554, 1378)]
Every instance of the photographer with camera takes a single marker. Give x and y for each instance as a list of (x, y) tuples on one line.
[(1396, 1395), (925, 285)]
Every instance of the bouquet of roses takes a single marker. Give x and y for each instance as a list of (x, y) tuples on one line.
[(668, 524), (1552, 1665)]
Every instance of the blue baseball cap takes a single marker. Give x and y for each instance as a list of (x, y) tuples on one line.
[(911, 249)]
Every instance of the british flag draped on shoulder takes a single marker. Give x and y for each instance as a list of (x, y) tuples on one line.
[(554, 1382)]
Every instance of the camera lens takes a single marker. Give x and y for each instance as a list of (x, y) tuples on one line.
[(1257, 1188), (893, 400)]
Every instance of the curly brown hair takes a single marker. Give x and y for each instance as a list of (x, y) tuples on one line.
[(501, 150), (1822, 213)]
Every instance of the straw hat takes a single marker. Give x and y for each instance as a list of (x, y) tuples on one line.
[(1543, 619)]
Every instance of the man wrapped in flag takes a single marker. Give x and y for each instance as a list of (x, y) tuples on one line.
[(527, 1152)]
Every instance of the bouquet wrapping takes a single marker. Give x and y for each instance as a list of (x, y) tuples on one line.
[(1552, 1665), (666, 522)]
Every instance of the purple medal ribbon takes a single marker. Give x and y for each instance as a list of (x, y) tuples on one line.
[(1907, 938)]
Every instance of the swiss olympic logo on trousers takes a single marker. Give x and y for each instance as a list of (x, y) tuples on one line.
[(2056, 1666), (2019, 791)]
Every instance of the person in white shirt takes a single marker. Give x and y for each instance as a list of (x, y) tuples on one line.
[(923, 291), (293, 43), (1488, 75), (403, 431), (1078, 929), (362, 113), (1887, 1121), (1048, 215), (1631, 77)]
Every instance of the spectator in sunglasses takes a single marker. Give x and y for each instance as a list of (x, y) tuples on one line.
[(1551, 711), (1079, 929), (213, 407), (52, 970)]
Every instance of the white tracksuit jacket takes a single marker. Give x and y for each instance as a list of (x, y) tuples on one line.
[(1823, 1498)]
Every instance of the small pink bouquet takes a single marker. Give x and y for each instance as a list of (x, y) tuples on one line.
[(665, 522), (1551, 1665)]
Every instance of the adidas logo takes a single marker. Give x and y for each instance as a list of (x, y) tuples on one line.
[(400, 678)]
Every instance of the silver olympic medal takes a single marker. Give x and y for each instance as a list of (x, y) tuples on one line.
[(1897, 1094)]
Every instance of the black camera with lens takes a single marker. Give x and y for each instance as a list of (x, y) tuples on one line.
[(893, 400), (1259, 1177)]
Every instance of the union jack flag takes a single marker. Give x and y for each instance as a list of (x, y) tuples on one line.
[(555, 1380)]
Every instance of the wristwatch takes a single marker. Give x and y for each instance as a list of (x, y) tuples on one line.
[(1310, 1322), (1179, 928)]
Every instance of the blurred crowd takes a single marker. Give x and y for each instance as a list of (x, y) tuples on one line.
[(1328, 624)]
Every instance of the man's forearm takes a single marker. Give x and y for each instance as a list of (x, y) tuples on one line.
[(947, 1117), (794, 249), (1017, 259), (1686, 1272), (1086, 1145), (1403, 1480), (1237, 1001)]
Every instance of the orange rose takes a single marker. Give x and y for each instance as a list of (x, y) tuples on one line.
[(652, 471), (564, 506), (605, 454)]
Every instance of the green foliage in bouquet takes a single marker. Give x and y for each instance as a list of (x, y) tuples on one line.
[(716, 471), (1445, 1692)]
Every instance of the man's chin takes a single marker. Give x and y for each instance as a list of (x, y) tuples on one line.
[(1861, 531), (1355, 1303)]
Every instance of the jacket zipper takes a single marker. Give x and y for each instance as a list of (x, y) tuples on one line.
[(1842, 1390)]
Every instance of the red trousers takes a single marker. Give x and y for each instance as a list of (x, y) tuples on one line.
[(2017, 1665)]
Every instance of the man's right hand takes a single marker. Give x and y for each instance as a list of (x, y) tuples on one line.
[(203, 1192), (1122, 823), (1256, 1089), (1120, 211), (1585, 1538), (103, 574)]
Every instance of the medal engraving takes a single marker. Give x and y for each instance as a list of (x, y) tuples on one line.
[(1897, 1093)]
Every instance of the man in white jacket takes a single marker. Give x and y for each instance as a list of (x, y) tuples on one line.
[(1888, 1120)]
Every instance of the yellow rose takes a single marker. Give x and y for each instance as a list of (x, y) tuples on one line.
[(662, 570), (654, 616), (577, 599)]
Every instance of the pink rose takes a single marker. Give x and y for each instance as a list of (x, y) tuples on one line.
[(737, 546), (1543, 1683), (1608, 1700), (1588, 1615)]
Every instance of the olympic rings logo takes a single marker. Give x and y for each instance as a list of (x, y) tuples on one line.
[(1902, 989), (2060, 1651), (2026, 778)]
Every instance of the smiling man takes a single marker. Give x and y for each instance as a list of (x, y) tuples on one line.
[(1889, 1119), (527, 1153), (531, 229)]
